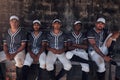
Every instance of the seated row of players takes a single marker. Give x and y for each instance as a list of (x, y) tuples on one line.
[(56, 42)]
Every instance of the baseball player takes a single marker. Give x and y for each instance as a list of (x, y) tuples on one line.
[(56, 50), (2, 58), (2, 54), (77, 48), (110, 44), (36, 48), (14, 44), (97, 48)]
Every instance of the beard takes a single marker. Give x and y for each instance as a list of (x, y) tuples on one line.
[(100, 29)]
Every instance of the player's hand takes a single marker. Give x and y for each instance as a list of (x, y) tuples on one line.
[(74, 45), (107, 58), (32, 55), (60, 51), (71, 48), (36, 59), (45, 44), (13, 55), (8, 56), (69, 44), (54, 51), (115, 35)]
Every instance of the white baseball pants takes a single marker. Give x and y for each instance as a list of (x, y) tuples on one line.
[(42, 60), (81, 53), (51, 58), (19, 59)]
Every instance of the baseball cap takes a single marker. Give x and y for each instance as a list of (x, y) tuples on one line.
[(14, 17), (77, 22), (101, 20), (56, 20), (37, 21)]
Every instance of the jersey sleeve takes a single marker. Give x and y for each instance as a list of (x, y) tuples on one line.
[(44, 37), (85, 36), (90, 35), (5, 39), (69, 37), (65, 37), (48, 37), (23, 36)]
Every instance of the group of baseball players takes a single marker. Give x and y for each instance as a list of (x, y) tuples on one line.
[(44, 48)]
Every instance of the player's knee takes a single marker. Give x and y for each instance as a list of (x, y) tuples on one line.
[(85, 68), (101, 68), (69, 55), (67, 67), (42, 65), (49, 67), (19, 63), (27, 63)]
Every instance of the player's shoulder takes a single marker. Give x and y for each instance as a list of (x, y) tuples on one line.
[(63, 33), (48, 33), (23, 31), (44, 33), (84, 34), (106, 31), (91, 30), (69, 33), (91, 33)]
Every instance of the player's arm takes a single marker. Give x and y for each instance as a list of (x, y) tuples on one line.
[(113, 37), (5, 45), (98, 51), (5, 48), (51, 49), (70, 45), (81, 46), (60, 51), (42, 49), (30, 51), (108, 42), (48, 43), (21, 48), (23, 42)]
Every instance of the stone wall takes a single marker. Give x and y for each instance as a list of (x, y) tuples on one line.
[(66, 10), (8, 8)]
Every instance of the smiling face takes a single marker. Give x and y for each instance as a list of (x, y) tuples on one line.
[(14, 23), (100, 26), (56, 25), (36, 26)]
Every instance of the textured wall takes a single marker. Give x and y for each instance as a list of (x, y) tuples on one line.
[(66, 10)]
